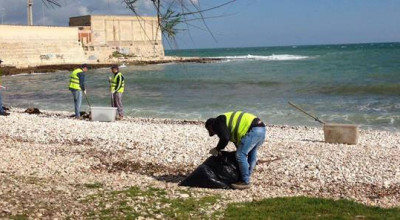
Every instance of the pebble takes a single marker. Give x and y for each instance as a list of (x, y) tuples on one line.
[(184, 196), (54, 149)]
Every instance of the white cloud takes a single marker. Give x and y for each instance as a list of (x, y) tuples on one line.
[(15, 10), (83, 10)]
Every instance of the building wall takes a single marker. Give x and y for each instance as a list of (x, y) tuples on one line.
[(95, 40), (130, 35), (24, 46)]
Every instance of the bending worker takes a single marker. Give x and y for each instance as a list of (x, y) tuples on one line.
[(247, 132), (76, 86), (117, 88)]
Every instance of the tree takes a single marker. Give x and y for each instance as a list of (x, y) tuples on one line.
[(171, 14)]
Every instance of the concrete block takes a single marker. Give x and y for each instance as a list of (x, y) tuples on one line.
[(341, 133)]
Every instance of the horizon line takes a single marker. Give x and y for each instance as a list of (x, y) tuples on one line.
[(291, 45)]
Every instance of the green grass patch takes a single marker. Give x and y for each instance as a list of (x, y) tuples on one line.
[(151, 203), (93, 185), (188, 208), (19, 217), (307, 208)]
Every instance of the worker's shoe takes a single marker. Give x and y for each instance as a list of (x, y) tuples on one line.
[(240, 185), (120, 117)]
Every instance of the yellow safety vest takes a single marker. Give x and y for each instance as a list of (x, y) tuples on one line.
[(238, 124), (74, 80), (114, 83)]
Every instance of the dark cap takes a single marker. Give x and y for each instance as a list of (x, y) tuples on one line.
[(84, 66), (115, 67)]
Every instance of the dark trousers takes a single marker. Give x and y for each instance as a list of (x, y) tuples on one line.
[(117, 97), (2, 112)]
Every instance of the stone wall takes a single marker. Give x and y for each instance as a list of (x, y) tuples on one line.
[(25, 46), (93, 39), (134, 36)]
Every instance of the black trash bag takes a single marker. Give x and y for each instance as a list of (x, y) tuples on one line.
[(216, 172)]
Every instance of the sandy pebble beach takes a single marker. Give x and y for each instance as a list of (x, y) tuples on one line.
[(47, 158)]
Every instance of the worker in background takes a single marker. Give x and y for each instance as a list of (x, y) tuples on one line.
[(247, 132), (2, 111), (117, 83), (77, 85)]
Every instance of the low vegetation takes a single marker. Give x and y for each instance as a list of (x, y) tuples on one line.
[(307, 208), (150, 203), (158, 204)]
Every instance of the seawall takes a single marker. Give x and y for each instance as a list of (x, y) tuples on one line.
[(27, 46)]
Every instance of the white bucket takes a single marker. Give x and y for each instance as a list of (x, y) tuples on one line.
[(106, 114)]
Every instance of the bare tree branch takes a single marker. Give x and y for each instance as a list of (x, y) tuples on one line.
[(170, 14), (51, 3)]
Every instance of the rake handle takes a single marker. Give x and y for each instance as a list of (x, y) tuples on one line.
[(87, 100), (312, 116)]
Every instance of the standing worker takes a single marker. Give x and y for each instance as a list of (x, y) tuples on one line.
[(2, 111), (76, 86), (247, 132), (117, 84)]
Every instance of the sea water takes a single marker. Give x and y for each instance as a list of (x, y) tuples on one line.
[(354, 83)]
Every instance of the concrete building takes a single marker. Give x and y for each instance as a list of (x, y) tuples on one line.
[(104, 35), (90, 39)]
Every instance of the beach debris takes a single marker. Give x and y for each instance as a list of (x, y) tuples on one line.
[(268, 161), (160, 172), (217, 172), (6, 108), (84, 115), (31, 111)]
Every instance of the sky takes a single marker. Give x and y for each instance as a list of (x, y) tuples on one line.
[(245, 23)]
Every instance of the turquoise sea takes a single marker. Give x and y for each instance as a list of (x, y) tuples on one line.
[(353, 83)]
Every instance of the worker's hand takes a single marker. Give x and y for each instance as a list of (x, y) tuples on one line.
[(214, 152), (85, 91), (112, 91)]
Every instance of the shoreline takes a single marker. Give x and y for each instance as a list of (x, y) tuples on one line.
[(8, 70), (53, 156), (52, 112)]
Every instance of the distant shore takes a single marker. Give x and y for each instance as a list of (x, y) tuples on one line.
[(10, 70)]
